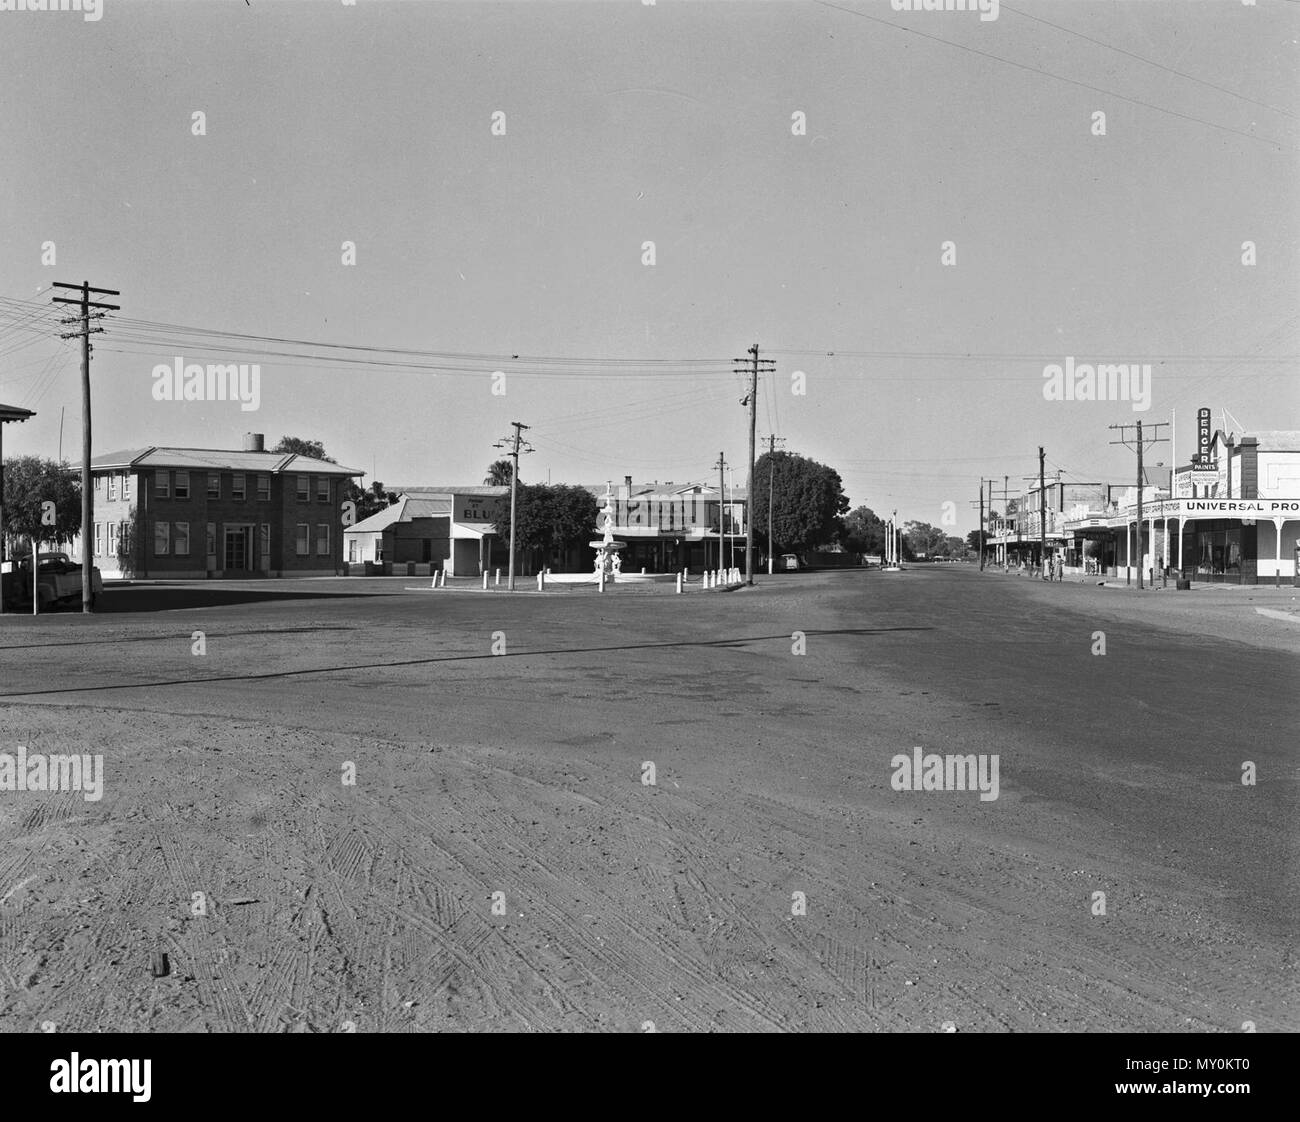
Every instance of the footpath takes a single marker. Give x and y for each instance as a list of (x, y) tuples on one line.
[(1261, 615)]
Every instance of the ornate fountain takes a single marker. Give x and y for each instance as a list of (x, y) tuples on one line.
[(607, 549)]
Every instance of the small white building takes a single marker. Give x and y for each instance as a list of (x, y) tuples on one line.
[(432, 528)]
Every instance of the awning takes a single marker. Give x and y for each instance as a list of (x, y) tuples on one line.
[(472, 531)]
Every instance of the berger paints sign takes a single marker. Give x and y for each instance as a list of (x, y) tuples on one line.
[(1203, 438)]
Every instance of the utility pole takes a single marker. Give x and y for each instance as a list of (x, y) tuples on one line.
[(87, 511), (751, 399), (721, 465), (1140, 445), (981, 525), (506, 443)]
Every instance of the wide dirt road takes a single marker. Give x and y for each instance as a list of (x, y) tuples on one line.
[(499, 863)]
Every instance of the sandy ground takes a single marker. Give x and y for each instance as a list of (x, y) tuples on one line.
[(499, 863)]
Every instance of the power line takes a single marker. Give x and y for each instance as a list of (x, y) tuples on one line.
[(1150, 62), (1056, 77)]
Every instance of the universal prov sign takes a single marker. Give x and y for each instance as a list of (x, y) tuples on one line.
[(1222, 508)]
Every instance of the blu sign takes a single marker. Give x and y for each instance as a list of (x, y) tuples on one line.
[(1203, 436)]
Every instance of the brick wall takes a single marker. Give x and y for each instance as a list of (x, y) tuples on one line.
[(281, 512)]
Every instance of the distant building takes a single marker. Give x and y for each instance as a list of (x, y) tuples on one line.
[(672, 526), (666, 526), (206, 512), (1231, 515), (431, 528)]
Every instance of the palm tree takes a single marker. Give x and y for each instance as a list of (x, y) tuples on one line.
[(499, 473)]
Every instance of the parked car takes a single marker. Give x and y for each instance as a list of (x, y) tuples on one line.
[(57, 582), (789, 561)]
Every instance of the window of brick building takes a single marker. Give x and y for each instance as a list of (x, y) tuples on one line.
[(237, 485), (182, 489), (302, 543)]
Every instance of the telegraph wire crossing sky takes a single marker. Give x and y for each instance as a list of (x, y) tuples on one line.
[(918, 214)]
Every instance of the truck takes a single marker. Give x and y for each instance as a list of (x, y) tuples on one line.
[(58, 581)]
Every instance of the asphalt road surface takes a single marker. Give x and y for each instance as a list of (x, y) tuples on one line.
[(350, 807)]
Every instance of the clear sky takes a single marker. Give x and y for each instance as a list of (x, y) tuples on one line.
[(672, 123)]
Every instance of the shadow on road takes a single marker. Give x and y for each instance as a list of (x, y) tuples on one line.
[(153, 598), (737, 641)]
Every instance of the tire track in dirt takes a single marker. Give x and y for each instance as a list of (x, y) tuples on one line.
[(613, 939), (200, 944)]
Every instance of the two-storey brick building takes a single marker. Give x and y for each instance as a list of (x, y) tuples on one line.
[(202, 512)]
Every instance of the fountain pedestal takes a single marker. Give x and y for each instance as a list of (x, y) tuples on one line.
[(607, 549)]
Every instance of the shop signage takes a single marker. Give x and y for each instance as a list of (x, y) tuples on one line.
[(1202, 437), (1220, 508)]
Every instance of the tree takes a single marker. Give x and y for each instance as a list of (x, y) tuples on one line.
[(367, 502), (973, 541), (301, 447), (863, 532), (925, 540), (499, 473), (550, 518), (808, 501), (30, 483)]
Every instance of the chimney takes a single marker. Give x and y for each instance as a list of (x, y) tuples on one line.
[(627, 486), (254, 442)]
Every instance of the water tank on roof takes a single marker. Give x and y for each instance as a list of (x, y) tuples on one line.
[(254, 442)]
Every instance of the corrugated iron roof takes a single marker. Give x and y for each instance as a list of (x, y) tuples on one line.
[(272, 463), (14, 413), (404, 510)]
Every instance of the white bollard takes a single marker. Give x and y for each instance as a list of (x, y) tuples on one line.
[(444, 578), (541, 581), (485, 576), (643, 570), (600, 581), (498, 578), (679, 584)]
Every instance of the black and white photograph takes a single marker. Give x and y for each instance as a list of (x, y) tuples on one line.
[(650, 516)]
